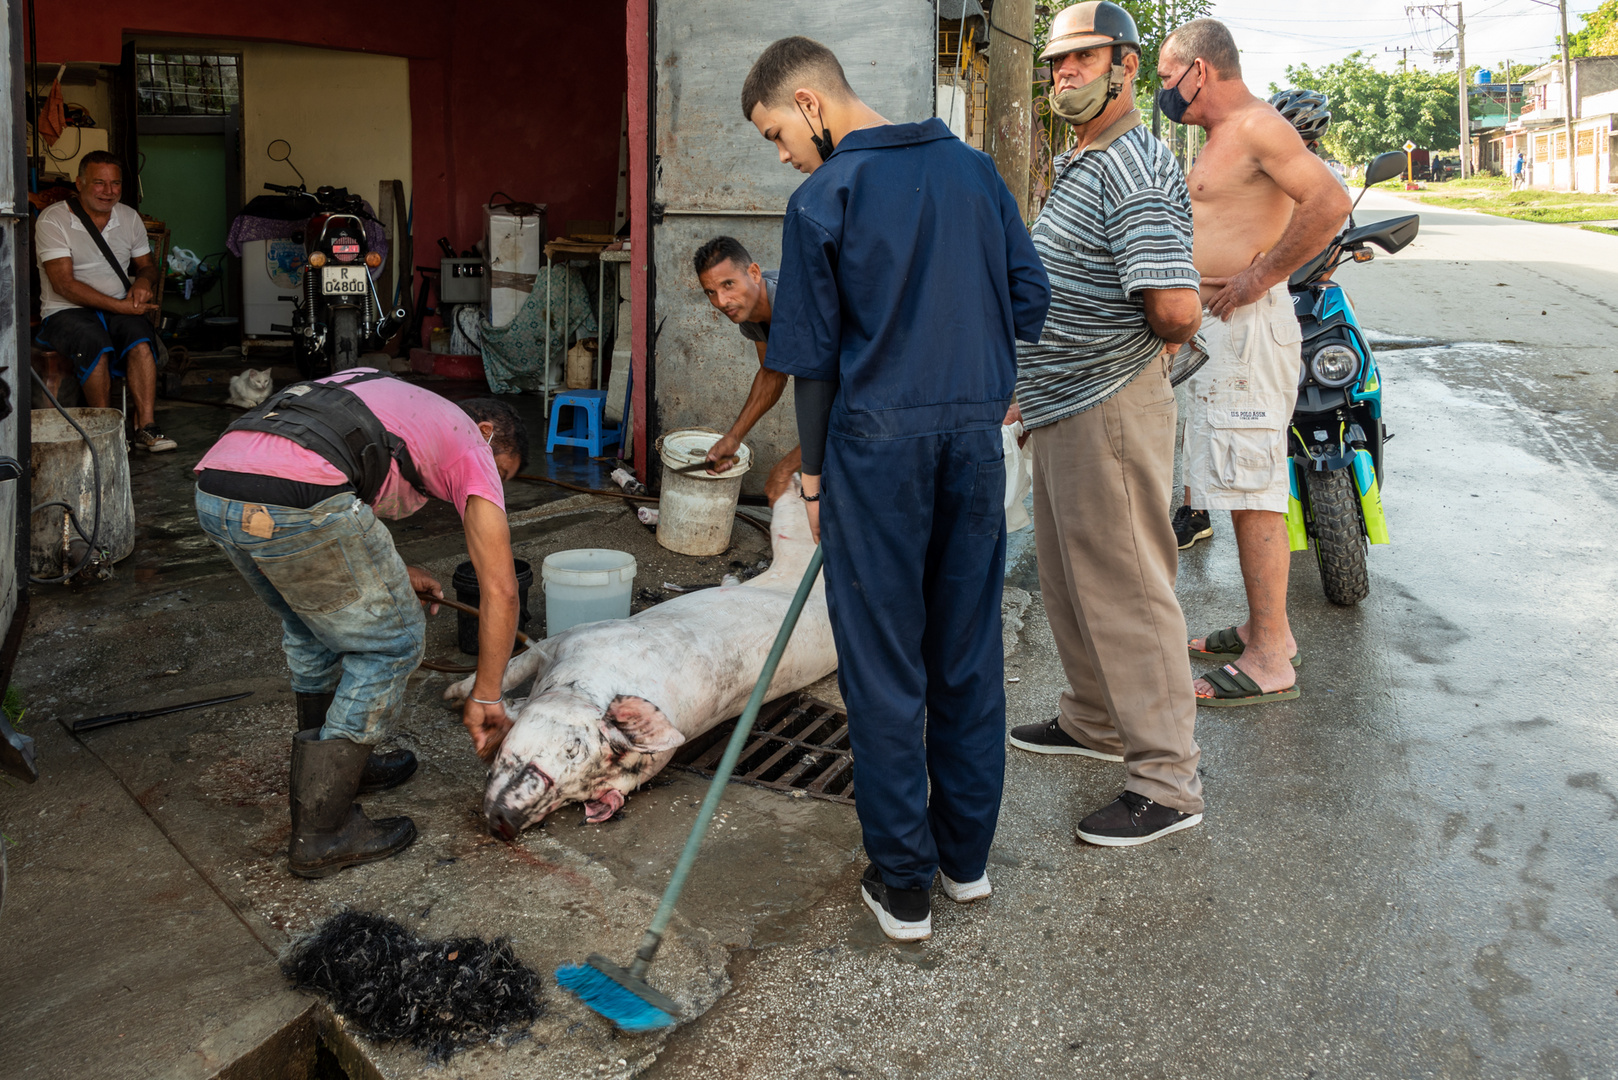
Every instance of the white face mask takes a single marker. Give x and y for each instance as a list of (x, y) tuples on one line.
[(488, 440)]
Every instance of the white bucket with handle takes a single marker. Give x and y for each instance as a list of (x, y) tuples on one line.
[(696, 511)]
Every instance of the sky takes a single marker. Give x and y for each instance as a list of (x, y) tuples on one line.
[(1273, 34)]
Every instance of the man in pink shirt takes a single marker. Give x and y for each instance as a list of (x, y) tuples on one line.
[(291, 493)]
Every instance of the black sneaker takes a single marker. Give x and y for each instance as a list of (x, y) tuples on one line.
[(1131, 820), (904, 914), (1049, 738), (1190, 526)]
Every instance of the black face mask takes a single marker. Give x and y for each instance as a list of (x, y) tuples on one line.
[(1172, 102), (823, 140)]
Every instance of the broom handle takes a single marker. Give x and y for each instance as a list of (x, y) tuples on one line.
[(727, 764)]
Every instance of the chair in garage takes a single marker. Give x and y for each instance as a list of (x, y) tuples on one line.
[(588, 422)]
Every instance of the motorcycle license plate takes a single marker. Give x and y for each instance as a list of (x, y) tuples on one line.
[(343, 280)]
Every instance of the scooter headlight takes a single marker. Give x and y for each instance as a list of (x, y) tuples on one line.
[(1335, 365)]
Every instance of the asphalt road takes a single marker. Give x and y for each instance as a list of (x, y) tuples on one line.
[(1406, 873)]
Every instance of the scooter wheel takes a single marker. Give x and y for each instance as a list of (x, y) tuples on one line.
[(1338, 536)]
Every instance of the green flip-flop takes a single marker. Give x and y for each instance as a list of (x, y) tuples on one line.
[(1226, 645), (1234, 687)]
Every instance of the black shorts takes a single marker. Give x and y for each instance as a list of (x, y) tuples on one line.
[(85, 335)]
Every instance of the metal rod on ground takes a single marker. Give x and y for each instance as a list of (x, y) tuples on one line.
[(624, 997), (91, 723)]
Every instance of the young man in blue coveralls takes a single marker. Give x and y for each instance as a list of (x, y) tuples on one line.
[(907, 276)]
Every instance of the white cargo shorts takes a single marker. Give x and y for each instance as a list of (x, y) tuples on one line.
[(1241, 405)]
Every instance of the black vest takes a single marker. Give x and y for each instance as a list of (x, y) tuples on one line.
[(332, 421)]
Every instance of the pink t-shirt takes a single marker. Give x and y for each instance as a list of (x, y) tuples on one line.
[(448, 450)]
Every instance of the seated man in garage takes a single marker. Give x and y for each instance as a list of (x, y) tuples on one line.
[(93, 313), (736, 286)]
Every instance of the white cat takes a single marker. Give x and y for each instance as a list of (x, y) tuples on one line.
[(250, 388)]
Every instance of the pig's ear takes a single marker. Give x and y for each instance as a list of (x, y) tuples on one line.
[(633, 723)]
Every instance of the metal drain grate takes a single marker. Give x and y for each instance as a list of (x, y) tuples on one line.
[(797, 744)]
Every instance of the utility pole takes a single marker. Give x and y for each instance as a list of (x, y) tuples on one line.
[(1459, 22), (1567, 100), (1011, 75), (1162, 32), (1404, 54), (1466, 112)]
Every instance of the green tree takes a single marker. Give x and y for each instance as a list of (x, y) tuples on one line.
[(1375, 111), (1599, 37)]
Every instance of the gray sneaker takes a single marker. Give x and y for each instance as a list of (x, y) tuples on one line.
[(153, 440)]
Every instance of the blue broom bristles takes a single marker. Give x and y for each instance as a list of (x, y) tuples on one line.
[(618, 1003)]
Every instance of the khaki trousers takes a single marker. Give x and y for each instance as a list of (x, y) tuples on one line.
[(1107, 560)]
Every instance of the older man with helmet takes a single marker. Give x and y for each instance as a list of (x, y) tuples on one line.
[(1115, 238)]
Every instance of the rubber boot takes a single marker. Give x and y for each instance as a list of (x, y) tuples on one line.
[(329, 830), (383, 769)]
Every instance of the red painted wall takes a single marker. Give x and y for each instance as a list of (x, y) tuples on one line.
[(523, 98), (637, 45)]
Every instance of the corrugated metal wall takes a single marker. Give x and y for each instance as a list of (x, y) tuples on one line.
[(717, 176)]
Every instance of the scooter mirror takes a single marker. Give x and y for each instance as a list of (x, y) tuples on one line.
[(1384, 167)]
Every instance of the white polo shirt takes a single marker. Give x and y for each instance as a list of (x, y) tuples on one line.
[(58, 234)]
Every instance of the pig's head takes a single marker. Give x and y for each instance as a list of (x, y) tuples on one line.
[(563, 748)]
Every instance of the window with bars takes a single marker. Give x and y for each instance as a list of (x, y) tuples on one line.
[(187, 84)]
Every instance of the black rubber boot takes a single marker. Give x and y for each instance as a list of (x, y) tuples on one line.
[(329, 830), (383, 769)]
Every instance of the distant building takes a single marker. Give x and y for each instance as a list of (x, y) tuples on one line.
[(1539, 130)]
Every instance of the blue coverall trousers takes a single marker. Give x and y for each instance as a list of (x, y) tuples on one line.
[(914, 537)]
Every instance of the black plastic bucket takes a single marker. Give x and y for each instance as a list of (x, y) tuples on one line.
[(465, 584)]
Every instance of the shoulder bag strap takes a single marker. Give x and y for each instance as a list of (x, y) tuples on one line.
[(101, 241)]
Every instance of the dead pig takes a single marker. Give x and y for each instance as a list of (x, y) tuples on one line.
[(612, 700)]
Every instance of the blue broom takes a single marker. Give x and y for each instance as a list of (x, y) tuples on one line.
[(624, 997)]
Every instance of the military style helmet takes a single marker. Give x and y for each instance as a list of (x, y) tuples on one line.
[(1086, 25), (1305, 110)]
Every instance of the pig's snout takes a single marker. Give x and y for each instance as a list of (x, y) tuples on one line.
[(507, 808), (504, 824)]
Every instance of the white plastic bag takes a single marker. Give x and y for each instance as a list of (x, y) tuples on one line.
[(183, 261), (1019, 477)]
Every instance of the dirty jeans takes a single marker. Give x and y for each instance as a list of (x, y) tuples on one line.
[(350, 621), (1107, 561)]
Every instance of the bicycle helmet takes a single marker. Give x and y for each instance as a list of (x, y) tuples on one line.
[(1306, 110)]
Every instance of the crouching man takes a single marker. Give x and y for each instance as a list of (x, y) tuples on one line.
[(736, 286), (292, 492)]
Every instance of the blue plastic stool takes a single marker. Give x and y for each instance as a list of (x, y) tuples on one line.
[(589, 429)]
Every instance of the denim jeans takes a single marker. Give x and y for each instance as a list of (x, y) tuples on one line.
[(350, 621)]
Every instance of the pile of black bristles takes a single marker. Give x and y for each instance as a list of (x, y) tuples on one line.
[(441, 996)]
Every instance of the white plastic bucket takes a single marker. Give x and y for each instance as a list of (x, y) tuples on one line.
[(696, 512), (586, 585)]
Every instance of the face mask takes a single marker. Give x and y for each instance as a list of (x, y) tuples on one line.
[(823, 140), (1084, 103), (1172, 102)]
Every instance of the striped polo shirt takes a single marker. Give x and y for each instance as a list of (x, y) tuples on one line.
[(1118, 220)]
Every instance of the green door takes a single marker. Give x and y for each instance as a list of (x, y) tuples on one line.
[(182, 181)]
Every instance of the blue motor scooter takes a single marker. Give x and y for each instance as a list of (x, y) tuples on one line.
[(1336, 441)]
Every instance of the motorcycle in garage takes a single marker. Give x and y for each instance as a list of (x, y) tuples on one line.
[(338, 314)]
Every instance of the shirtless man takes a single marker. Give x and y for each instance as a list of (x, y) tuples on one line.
[(1261, 206), (745, 294)]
